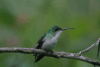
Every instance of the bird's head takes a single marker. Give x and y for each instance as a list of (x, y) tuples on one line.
[(56, 28)]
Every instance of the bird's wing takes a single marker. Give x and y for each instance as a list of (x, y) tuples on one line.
[(37, 46), (40, 42)]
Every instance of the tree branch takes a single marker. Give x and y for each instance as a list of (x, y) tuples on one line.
[(76, 56)]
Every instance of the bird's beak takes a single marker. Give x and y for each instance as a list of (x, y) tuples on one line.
[(67, 28)]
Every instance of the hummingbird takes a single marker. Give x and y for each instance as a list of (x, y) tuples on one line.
[(48, 41)]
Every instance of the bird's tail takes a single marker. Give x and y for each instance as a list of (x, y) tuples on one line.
[(39, 57)]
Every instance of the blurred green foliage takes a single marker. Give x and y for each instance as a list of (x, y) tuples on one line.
[(23, 22)]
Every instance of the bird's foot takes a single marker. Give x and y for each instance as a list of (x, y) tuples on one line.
[(49, 51), (56, 57)]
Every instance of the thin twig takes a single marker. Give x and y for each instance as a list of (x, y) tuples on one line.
[(89, 48), (97, 53)]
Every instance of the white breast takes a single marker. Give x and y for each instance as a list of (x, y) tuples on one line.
[(51, 43)]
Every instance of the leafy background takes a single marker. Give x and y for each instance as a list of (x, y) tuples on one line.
[(23, 22)]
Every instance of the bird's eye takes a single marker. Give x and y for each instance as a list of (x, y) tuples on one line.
[(56, 29)]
